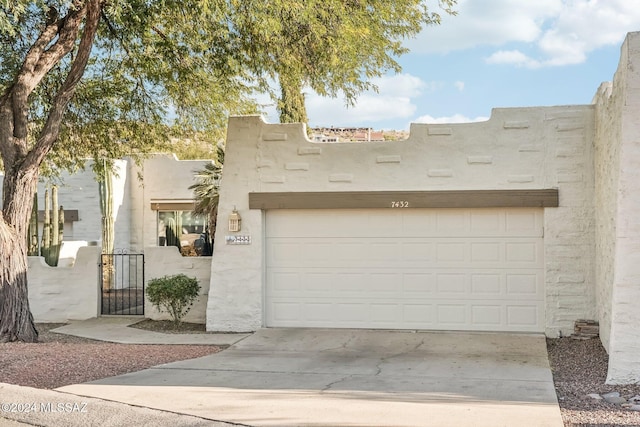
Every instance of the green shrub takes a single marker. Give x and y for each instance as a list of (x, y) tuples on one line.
[(173, 294)]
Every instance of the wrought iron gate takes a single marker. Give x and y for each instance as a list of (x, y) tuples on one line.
[(122, 284)]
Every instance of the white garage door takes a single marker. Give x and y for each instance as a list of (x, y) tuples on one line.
[(447, 269)]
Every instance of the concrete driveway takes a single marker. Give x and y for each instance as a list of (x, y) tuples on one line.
[(320, 377)]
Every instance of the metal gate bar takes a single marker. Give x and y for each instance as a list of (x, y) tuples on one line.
[(122, 284)]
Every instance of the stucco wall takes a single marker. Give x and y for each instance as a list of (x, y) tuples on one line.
[(164, 178), (607, 169), (63, 293), (58, 294), (617, 166), (519, 148), (167, 261), (159, 178), (79, 191)]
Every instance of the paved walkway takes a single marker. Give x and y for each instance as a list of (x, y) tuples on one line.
[(296, 377), (51, 408), (116, 329)]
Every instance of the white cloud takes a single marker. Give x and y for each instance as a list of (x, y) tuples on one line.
[(394, 100), (459, 85), (369, 108), (402, 85), (489, 22), (514, 57), (456, 118), (551, 32)]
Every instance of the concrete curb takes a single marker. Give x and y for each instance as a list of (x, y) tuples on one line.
[(48, 408)]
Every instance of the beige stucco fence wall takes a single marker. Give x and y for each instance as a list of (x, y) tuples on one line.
[(165, 261), (61, 294), (58, 294)]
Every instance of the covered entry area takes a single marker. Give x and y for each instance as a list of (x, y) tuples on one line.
[(475, 269)]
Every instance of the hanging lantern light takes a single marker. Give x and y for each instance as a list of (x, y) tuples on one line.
[(235, 222)]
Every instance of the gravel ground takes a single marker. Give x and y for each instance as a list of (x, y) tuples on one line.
[(579, 368), (59, 360)]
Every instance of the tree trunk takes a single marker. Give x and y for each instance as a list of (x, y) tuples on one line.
[(16, 320), (57, 39), (291, 105)]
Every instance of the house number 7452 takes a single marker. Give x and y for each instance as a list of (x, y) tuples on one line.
[(400, 204)]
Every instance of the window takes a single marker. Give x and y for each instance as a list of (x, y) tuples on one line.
[(183, 229)]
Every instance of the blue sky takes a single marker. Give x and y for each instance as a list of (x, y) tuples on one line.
[(494, 53)]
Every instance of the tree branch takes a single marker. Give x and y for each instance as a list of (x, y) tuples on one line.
[(24, 84), (51, 129)]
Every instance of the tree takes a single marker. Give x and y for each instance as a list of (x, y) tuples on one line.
[(205, 191), (330, 46), (59, 102), (105, 79)]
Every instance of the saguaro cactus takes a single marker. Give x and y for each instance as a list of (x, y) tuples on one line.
[(105, 190), (171, 231), (54, 249), (105, 187), (53, 228), (46, 228)]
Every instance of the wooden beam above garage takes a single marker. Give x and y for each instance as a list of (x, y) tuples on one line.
[(545, 198)]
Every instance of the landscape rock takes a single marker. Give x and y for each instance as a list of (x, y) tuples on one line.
[(611, 394), (595, 396), (616, 400)]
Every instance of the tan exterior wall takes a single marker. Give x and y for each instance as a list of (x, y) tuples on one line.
[(617, 166), (59, 294), (519, 148), (167, 261)]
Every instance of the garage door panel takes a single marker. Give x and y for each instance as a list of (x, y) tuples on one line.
[(452, 316), (452, 222), (419, 315), (446, 314), (491, 285), (487, 222), (521, 315), (419, 251), (418, 285), (434, 252), (513, 222), (286, 281), (452, 283), (525, 285), (486, 252), (384, 285), (316, 311), (523, 252), (451, 252), (284, 312), (474, 284), (458, 269), (385, 313), (524, 222), (488, 316)]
